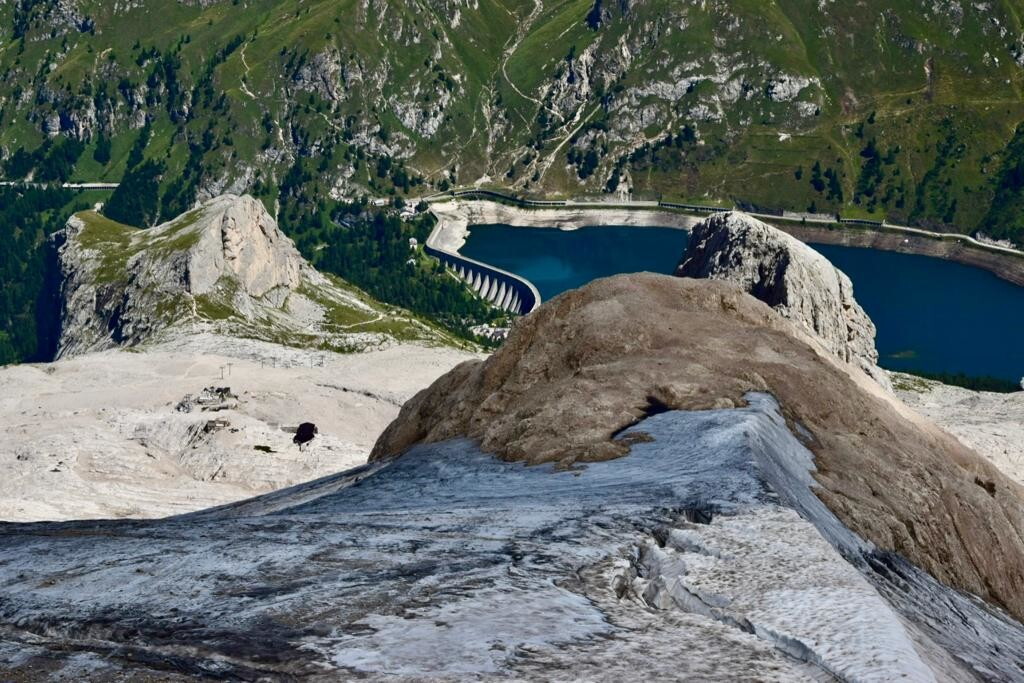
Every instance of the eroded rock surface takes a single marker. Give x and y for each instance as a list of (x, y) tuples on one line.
[(789, 276), (596, 360), (990, 423), (122, 286), (109, 435), (238, 238), (224, 267), (703, 555)]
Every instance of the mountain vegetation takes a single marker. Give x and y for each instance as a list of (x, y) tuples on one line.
[(29, 277), (906, 110), (903, 110), (368, 245), (226, 268)]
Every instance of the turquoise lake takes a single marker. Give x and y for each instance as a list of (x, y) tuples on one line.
[(932, 315)]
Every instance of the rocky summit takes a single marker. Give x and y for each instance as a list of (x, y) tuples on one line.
[(225, 267), (789, 276), (152, 318), (272, 408), (595, 361), (239, 239)]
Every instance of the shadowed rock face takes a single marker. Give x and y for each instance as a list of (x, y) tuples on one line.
[(798, 282), (596, 360)]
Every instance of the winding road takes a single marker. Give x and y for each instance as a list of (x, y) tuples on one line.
[(69, 186), (641, 205)]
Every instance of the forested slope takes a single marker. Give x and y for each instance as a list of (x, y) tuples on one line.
[(901, 109)]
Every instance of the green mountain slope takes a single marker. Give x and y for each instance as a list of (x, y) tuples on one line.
[(903, 109), (224, 268)]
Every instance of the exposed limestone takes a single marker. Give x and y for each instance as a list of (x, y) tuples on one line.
[(224, 267), (686, 561), (322, 75), (454, 218), (595, 360), (101, 435), (789, 276), (990, 423), (786, 88), (238, 238)]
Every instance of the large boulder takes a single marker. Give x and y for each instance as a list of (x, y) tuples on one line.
[(596, 360), (789, 276)]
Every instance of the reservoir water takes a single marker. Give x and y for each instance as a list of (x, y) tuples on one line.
[(932, 315)]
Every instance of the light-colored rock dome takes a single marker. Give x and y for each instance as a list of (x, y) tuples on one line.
[(238, 238), (789, 276)]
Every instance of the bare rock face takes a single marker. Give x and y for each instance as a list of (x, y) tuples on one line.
[(123, 285), (240, 239), (223, 268), (593, 361), (789, 276), (322, 75)]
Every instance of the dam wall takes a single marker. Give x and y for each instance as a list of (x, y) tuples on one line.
[(498, 287)]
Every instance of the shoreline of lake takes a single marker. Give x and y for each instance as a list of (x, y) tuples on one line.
[(1003, 266), (455, 217)]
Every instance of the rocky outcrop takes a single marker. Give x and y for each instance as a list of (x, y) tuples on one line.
[(224, 267), (239, 239), (789, 276), (122, 285), (704, 554), (680, 562), (322, 74), (594, 361)]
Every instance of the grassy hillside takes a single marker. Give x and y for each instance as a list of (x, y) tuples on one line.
[(903, 109), (134, 277)]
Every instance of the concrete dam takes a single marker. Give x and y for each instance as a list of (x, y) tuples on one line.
[(500, 288)]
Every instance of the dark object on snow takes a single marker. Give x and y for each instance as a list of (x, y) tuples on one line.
[(305, 433), (215, 425)]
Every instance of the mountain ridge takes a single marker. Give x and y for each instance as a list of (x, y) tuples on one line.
[(592, 362), (712, 546), (225, 267)]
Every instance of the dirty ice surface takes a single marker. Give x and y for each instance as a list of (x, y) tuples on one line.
[(702, 554)]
